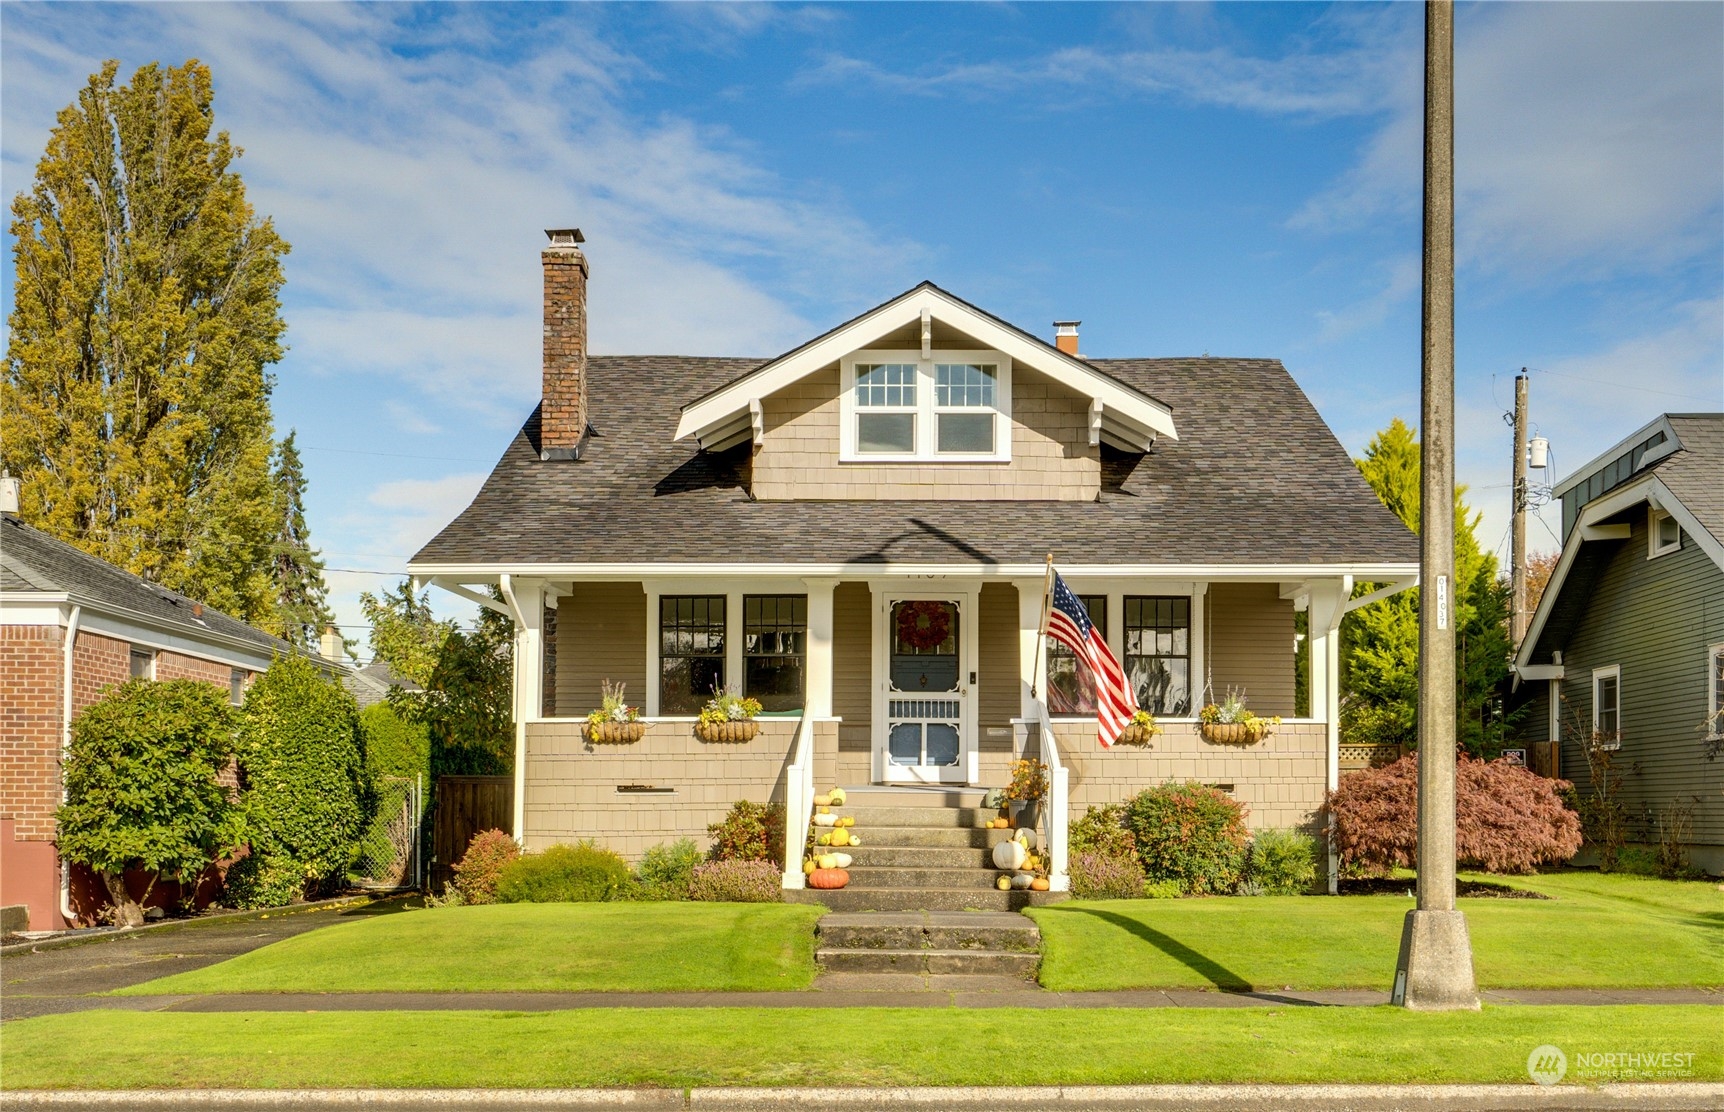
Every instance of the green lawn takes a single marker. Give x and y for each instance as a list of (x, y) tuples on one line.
[(805, 1046), (628, 947), (1597, 931)]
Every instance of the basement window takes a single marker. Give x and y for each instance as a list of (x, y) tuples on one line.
[(952, 406)]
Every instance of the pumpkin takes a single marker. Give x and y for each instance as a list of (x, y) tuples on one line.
[(853, 840), (823, 840), (828, 861), (1040, 884), (825, 820), (828, 878), (985, 824), (1009, 855), (809, 866), (1023, 835), (823, 801), (1004, 884), (1019, 880), (848, 820), (837, 796), (842, 860)]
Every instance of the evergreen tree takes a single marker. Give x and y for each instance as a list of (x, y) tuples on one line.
[(1380, 642), (302, 598), (404, 633), (135, 403)]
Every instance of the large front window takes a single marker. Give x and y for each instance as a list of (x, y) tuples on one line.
[(1071, 686), (1158, 652), (774, 648), (951, 406), (691, 651)]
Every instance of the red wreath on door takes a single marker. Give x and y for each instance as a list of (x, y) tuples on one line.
[(924, 625)]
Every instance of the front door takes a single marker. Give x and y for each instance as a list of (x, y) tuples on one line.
[(926, 726)]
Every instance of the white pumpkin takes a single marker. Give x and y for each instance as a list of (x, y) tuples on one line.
[(843, 860), (1022, 880), (1009, 855), (825, 820)]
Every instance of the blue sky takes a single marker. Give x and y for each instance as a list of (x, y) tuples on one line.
[(1235, 179)]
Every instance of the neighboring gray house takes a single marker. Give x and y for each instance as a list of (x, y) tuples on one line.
[(1627, 645), (370, 685)]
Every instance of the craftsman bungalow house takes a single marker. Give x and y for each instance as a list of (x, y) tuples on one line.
[(855, 532)]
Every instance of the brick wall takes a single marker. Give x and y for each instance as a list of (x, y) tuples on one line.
[(30, 732), (1051, 455), (98, 663), (174, 666)]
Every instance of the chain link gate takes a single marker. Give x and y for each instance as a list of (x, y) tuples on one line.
[(389, 851)]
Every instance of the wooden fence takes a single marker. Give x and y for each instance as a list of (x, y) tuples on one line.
[(467, 805)]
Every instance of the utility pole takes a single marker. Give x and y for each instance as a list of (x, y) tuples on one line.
[(1435, 968), (1517, 553)]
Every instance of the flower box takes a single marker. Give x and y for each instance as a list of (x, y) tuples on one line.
[(1136, 735), (1232, 733), (615, 733), (733, 732)]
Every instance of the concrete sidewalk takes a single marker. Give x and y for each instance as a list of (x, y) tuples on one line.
[(19, 1007), (1671, 1097)]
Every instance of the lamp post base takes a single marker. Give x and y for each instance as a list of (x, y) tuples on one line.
[(1435, 970)]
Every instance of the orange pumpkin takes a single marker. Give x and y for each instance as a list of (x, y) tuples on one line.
[(829, 878), (1040, 884)]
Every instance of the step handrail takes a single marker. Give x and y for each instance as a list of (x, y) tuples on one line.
[(798, 801), (1055, 820)]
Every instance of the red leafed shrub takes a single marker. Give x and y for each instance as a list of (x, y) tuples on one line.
[(476, 876), (1507, 819)]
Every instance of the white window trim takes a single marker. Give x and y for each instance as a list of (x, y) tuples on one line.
[(155, 654), (1653, 549), (1715, 726), (926, 411), (1612, 671), (1116, 592)]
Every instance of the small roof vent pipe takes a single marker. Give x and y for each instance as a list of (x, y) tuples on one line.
[(1065, 336)]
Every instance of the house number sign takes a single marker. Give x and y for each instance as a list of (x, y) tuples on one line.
[(1442, 602)]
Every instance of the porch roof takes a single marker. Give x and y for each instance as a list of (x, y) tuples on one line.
[(1256, 478)]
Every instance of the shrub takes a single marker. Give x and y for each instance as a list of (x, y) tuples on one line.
[(1191, 834), (299, 760), (1162, 890), (1283, 862), (256, 881), (1102, 831), (1102, 876), (141, 788), (1507, 819), (479, 869), (581, 873), (394, 746), (750, 832), (666, 869), (736, 881), (1636, 861)]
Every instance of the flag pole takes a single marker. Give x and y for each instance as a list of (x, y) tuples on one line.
[(1042, 632)]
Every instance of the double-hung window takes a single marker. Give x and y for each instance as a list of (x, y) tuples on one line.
[(691, 651), (1071, 687), (774, 649), (1715, 691), (1607, 707), (1158, 652), (953, 406)]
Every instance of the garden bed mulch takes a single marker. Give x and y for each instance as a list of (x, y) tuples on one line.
[(1389, 886)]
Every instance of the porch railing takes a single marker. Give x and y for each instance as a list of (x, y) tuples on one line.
[(1056, 816), (798, 801)]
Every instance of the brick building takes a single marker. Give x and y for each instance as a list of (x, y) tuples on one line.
[(71, 626)]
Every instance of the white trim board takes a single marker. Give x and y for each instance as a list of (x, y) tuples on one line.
[(1214, 573)]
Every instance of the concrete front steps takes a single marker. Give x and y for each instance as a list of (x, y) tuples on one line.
[(957, 950), (922, 850)]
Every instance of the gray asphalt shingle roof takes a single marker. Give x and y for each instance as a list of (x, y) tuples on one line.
[(1256, 477), (31, 560), (1695, 472)]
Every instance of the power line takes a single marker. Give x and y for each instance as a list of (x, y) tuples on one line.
[(1624, 386)]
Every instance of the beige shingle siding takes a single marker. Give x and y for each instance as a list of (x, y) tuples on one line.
[(1654, 618), (1051, 456), (997, 667), (852, 667), (601, 634), (1250, 645)]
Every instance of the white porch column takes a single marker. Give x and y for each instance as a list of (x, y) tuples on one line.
[(1029, 630), (817, 698), (526, 601), (1327, 602)]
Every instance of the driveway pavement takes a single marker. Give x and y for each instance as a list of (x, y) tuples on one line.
[(56, 977)]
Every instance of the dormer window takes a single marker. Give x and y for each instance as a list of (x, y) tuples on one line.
[(953, 406)]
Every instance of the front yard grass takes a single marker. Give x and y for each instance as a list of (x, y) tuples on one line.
[(1597, 931), (856, 1046), (627, 947)]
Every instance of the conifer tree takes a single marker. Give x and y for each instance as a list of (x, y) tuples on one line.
[(302, 602), (146, 311)]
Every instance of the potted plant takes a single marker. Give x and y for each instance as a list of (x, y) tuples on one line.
[(1140, 730), (1231, 722), (615, 722), (1028, 787), (728, 717)]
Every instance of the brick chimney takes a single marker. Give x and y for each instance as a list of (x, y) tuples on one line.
[(563, 411), (1065, 335)]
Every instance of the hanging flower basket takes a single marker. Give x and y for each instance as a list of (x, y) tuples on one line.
[(1232, 733), (1136, 735), (924, 625), (745, 730), (615, 733)]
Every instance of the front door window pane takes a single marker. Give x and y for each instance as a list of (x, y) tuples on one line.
[(1158, 652), (691, 651), (904, 746), (942, 744)]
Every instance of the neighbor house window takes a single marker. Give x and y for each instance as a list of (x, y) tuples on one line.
[(143, 663), (235, 686), (691, 651), (1158, 652), (1715, 691), (1071, 687), (1607, 706), (774, 649), (1666, 534), (953, 406)]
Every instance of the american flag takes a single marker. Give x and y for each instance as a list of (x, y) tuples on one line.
[(1069, 624)]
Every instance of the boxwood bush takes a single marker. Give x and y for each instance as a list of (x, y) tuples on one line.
[(581, 873), (1189, 834), (1283, 862)]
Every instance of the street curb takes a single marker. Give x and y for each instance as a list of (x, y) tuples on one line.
[(85, 938), (1634, 1097)]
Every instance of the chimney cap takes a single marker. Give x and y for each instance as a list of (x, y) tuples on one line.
[(565, 237), (1066, 327)]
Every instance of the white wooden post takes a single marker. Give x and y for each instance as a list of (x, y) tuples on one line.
[(817, 697), (526, 600), (1029, 626), (1327, 601)]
